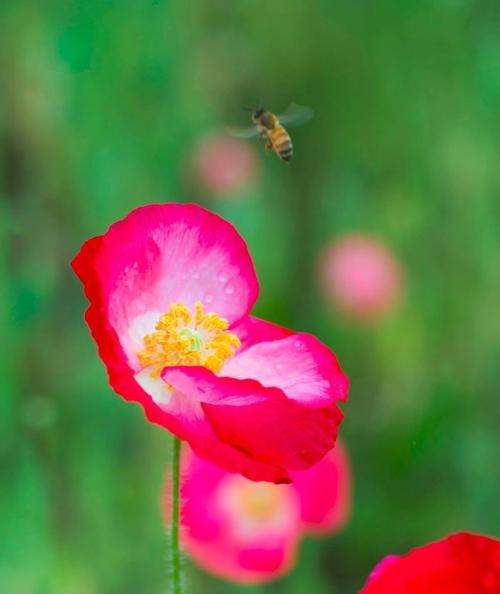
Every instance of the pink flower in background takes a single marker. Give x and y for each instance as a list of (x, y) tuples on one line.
[(361, 276), (459, 564), (170, 290), (224, 164), (249, 532)]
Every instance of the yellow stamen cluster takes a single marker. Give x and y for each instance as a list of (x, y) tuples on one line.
[(260, 501), (183, 338)]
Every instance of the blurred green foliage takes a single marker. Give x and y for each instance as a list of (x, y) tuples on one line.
[(101, 106)]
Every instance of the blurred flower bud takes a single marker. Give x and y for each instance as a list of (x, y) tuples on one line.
[(361, 276), (224, 164)]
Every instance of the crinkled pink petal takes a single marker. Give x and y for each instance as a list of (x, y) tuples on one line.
[(325, 492), (260, 421), (221, 539), (185, 417), (207, 444), (299, 365), (160, 254), (254, 330)]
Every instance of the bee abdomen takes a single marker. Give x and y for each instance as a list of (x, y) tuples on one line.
[(283, 144), (286, 150)]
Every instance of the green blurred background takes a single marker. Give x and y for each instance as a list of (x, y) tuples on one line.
[(102, 104)]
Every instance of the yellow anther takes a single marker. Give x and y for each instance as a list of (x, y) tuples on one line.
[(260, 501), (183, 338)]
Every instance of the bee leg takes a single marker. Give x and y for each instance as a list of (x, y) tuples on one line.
[(268, 146)]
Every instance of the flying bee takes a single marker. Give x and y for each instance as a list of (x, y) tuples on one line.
[(269, 126)]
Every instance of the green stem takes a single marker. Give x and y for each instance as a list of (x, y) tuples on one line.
[(174, 542)]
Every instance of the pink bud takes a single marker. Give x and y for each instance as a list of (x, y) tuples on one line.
[(224, 164), (361, 276)]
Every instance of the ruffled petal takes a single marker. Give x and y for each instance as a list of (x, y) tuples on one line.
[(325, 492), (299, 365), (183, 414), (208, 445), (260, 421), (254, 330), (160, 254), (110, 350)]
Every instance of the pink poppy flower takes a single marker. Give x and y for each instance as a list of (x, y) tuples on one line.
[(459, 564), (170, 290), (249, 532), (361, 276), (224, 164)]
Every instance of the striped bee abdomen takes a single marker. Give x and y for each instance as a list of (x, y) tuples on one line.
[(282, 143)]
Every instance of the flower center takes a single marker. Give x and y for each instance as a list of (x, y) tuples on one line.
[(260, 502), (256, 509), (183, 338)]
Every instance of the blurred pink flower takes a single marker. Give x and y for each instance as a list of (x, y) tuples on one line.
[(361, 276), (249, 532), (224, 164)]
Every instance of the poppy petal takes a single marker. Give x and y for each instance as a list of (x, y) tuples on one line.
[(300, 365), (260, 421), (156, 256)]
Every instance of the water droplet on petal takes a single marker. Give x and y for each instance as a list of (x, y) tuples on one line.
[(196, 275), (297, 344), (208, 298), (222, 277), (278, 366), (229, 290)]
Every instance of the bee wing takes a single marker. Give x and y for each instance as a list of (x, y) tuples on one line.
[(296, 114), (244, 132)]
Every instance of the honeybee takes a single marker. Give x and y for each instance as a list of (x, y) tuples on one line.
[(269, 126)]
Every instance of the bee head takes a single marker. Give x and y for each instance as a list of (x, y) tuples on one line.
[(257, 113)]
